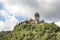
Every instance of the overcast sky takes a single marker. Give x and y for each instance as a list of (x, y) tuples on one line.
[(14, 11)]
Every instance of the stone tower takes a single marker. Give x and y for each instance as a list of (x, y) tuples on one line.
[(37, 17)]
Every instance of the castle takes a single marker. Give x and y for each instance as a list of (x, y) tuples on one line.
[(36, 21)]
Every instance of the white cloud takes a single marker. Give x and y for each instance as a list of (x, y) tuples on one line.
[(10, 22), (58, 23), (19, 9), (1, 25)]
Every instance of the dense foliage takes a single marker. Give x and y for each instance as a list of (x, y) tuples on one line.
[(43, 31), (3, 34)]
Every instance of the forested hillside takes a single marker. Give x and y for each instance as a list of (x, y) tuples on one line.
[(43, 31)]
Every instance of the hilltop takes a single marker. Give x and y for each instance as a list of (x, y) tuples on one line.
[(43, 31)]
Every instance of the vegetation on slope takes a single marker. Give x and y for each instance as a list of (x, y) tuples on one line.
[(44, 31), (4, 33)]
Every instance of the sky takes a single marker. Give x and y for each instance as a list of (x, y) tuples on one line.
[(14, 11)]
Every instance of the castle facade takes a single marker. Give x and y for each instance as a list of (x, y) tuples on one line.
[(32, 21)]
